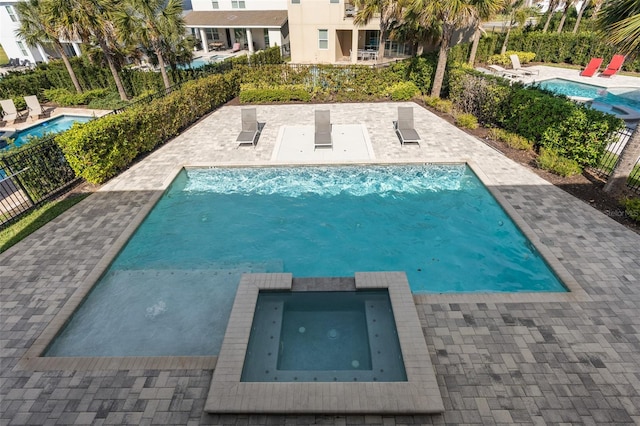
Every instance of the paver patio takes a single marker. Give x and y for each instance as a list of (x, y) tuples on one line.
[(498, 358)]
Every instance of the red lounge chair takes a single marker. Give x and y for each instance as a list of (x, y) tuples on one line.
[(614, 66), (592, 67)]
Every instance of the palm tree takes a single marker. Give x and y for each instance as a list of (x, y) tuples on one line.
[(552, 7), (36, 28), (451, 15), (390, 12), (153, 23), (485, 11), (565, 12), (90, 21), (585, 4), (619, 21), (518, 13)]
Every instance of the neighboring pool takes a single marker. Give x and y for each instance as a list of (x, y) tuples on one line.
[(629, 97), (173, 284), (326, 336), (202, 61), (54, 125)]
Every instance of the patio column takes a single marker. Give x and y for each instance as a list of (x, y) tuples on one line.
[(203, 37), (42, 53), (76, 48), (354, 46), (249, 40)]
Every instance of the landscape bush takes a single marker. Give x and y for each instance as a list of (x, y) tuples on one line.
[(403, 91), (65, 97), (282, 93), (100, 149), (551, 121), (552, 161), (466, 121), (632, 207), (511, 139), (505, 59)]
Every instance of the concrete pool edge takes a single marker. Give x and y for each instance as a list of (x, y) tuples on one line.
[(420, 394)]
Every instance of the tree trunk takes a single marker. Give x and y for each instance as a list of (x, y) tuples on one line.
[(67, 64), (383, 34), (546, 24), (618, 180), (564, 17), (442, 65), (163, 69), (474, 45), (506, 41), (114, 71), (579, 18)]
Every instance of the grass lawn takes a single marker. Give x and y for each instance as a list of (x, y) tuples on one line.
[(35, 220), (608, 162), (4, 59)]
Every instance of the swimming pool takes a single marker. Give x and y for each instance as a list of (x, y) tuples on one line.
[(629, 96), (202, 61), (54, 125), (174, 282)]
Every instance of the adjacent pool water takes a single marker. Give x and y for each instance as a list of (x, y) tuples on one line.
[(55, 125), (170, 290), (323, 337), (629, 96)]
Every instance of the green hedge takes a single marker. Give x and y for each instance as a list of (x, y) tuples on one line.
[(566, 47), (572, 130), (295, 92), (103, 148)]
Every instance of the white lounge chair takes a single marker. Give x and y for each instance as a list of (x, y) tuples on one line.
[(404, 126), (9, 111), (515, 64), (250, 127), (35, 109), (503, 72), (322, 135)]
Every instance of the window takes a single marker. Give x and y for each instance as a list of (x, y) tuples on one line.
[(334, 1), (295, 1), (323, 39), (12, 13), (213, 34), (214, 4), (266, 37), (237, 4), (22, 48)]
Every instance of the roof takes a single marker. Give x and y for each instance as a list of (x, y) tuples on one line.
[(236, 18)]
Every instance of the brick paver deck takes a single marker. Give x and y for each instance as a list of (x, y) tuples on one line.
[(499, 359)]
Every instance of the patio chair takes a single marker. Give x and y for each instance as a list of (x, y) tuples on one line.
[(250, 128), (503, 72), (404, 126), (322, 136), (592, 67), (613, 67), (34, 107), (236, 47), (9, 111), (515, 64)]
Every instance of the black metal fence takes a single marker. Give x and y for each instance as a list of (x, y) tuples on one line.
[(31, 176), (610, 158)]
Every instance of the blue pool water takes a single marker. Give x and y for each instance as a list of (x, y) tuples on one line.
[(629, 97), (323, 336), (173, 284), (201, 62), (55, 125)]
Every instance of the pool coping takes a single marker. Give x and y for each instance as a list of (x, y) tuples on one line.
[(33, 359), (419, 394)]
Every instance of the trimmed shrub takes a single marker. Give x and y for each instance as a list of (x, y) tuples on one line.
[(525, 57), (403, 91), (418, 70), (511, 139), (552, 161), (65, 97), (467, 121), (632, 207), (251, 94), (100, 149)]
